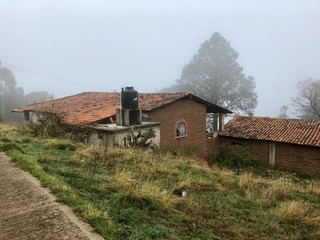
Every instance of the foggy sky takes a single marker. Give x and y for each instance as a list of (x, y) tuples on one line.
[(67, 47)]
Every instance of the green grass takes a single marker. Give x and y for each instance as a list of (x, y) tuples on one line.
[(120, 193)]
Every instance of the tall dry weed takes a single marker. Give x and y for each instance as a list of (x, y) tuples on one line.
[(301, 212), (249, 184), (280, 189), (293, 210), (313, 187)]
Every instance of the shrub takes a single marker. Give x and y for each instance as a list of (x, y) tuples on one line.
[(52, 125), (235, 156), (47, 125)]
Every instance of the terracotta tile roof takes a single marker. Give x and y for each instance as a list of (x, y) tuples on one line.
[(296, 131), (91, 107)]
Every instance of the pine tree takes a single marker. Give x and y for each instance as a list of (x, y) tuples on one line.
[(215, 75)]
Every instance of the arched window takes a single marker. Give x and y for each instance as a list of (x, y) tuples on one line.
[(181, 129)]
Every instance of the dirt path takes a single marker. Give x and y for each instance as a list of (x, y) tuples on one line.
[(29, 211)]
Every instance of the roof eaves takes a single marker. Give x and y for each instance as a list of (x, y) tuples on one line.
[(208, 104), (268, 140)]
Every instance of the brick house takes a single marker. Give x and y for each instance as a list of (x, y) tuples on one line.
[(182, 116), (292, 144)]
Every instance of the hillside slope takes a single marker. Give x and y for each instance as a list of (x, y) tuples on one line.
[(131, 193)]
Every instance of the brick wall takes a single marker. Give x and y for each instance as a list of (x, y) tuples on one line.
[(302, 159), (257, 149), (212, 145), (190, 112)]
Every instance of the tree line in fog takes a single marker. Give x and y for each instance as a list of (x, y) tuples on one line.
[(12, 96)]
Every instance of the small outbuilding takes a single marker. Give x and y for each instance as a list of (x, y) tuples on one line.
[(292, 144)]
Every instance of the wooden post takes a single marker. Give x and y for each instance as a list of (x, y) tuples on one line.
[(221, 122)]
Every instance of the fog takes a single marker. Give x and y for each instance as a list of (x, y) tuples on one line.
[(67, 47)]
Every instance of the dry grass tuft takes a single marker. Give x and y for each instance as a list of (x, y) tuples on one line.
[(280, 189), (121, 181), (298, 211), (250, 184), (293, 210), (148, 196), (91, 214), (313, 187), (200, 185)]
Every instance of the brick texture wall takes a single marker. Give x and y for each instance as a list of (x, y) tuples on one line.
[(257, 149), (194, 115), (302, 159)]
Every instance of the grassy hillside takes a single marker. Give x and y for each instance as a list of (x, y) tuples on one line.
[(128, 194)]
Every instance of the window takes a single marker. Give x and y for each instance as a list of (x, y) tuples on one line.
[(181, 129)]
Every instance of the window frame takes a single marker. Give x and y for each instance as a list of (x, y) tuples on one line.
[(177, 130)]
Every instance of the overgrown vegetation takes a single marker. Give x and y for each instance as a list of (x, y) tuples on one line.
[(50, 125), (234, 157), (128, 193)]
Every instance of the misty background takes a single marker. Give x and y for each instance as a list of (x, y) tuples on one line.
[(75, 46)]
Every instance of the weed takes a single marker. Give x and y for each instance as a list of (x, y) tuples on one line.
[(280, 189), (60, 145), (5, 140), (249, 184), (293, 210), (189, 151), (9, 146), (122, 181), (314, 187), (234, 157), (97, 217), (200, 185)]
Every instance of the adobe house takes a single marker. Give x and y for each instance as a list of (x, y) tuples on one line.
[(292, 144), (182, 116)]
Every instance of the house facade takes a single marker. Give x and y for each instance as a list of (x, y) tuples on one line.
[(181, 117), (292, 144)]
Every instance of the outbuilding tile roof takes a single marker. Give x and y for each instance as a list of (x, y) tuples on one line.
[(92, 107), (296, 131)]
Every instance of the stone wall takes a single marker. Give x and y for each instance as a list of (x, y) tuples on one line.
[(120, 137)]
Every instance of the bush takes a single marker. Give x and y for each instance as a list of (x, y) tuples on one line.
[(47, 125), (235, 156), (50, 125)]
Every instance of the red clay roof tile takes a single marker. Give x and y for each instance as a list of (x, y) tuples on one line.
[(296, 131), (91, 107)]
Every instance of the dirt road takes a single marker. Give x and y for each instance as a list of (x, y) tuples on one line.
[(29, 211)]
